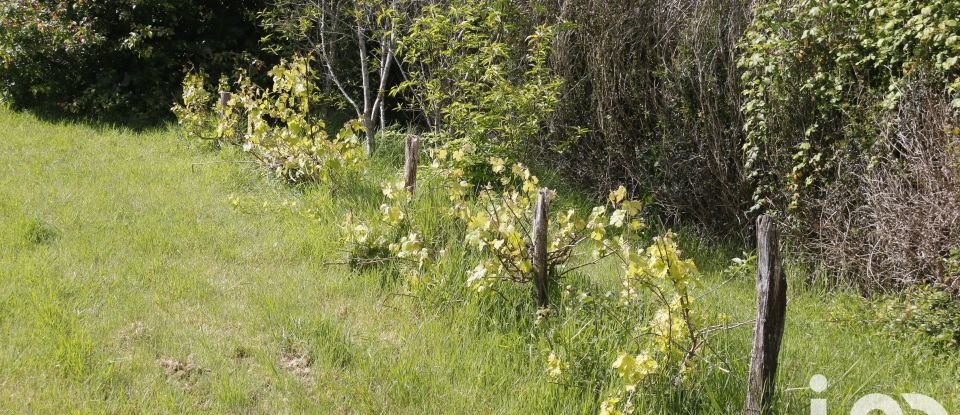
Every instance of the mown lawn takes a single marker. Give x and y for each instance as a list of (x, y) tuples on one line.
[(144, 272)]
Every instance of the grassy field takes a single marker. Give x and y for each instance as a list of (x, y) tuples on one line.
[(143, 272)]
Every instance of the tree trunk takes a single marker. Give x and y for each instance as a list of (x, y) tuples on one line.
[(370, 128)]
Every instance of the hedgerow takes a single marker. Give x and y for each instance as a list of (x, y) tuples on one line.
[(493, 212), (814, 72)]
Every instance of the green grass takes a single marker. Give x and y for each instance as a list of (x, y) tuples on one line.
[(129, 282)]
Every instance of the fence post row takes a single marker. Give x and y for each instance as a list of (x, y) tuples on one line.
[(540, 270), (411, 150), (771, 316)]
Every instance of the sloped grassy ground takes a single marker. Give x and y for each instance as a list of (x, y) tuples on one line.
[(143, 272)]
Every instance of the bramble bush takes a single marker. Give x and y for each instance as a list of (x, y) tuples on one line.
[(848, 110)]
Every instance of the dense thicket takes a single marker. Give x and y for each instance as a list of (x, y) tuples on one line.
[(656, 84), (121, 60), (839, 117), (850, 110)]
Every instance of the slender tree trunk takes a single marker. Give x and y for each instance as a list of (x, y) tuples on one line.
[(370, 126), (383, 116), (372, 108), (386, 58), (368, 104)]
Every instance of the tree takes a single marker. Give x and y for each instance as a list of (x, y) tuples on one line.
[(326, 29), (480, 74)]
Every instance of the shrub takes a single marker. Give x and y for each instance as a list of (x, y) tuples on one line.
[(283, 128), (481, 91), (120, 60), (926, 314), (196, 113), (286, 133), (656, 86)]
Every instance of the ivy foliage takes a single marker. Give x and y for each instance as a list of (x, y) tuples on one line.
[(814, 73)]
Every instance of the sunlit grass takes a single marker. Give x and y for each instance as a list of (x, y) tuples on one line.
[(129, 282)]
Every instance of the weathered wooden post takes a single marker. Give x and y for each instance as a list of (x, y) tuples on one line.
[(224, 98), (540, 271), (771, 316), (412, 149)]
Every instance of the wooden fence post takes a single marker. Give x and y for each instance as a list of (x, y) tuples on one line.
[(222, 108), (771, 316), (224, 98), (540, 271), (412, 148)]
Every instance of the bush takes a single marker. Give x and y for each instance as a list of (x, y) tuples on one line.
[(890, 218), (481, 81), (847, 107), (927, 314), (120, 60), (284, 130), (656, 85)]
